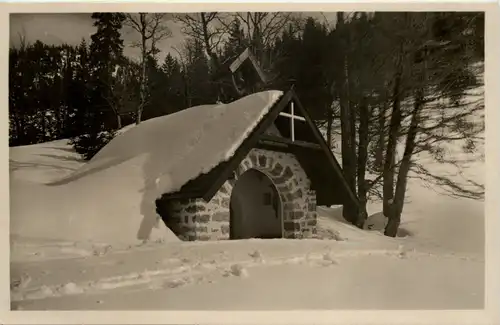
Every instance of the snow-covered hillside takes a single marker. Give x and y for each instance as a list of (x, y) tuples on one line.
[(60, 259)]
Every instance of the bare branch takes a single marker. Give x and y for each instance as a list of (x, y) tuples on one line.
[(152, 29), (450, 186)]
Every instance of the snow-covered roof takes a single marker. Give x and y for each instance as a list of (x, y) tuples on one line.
[(111, 198), (179, 147)]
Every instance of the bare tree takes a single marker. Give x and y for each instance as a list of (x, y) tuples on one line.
[(347, 117), (22, 39), (205, 27), (151, 28), (428, 127), (262, 30)]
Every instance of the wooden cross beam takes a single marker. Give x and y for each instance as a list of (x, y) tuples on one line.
[(292, 118)]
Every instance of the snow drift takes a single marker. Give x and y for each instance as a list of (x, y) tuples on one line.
[(111, 199)]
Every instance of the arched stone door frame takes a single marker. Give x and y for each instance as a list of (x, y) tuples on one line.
[(296, 200), (196, 219), (261, 171)]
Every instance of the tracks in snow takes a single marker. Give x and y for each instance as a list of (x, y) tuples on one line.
[(176, 272)]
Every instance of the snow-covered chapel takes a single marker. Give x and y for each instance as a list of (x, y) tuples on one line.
[(274, 169)]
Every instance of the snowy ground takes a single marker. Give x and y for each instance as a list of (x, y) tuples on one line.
[(439, 265), (254, 275)]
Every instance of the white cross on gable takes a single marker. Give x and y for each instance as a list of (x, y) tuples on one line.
[(292, 118)]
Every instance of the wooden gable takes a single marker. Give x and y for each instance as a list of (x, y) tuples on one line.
[(297, 134)]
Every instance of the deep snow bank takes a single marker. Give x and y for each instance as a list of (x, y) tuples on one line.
[(99, 210), (111, 199)]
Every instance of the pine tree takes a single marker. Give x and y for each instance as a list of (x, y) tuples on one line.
[(173, 84), (196, 74), (106, 51), (156, 84), (313, 65), (85, 123)]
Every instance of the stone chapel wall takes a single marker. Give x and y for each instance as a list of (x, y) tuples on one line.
[(195, 219)]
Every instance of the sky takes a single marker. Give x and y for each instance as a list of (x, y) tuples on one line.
[(70, 28)]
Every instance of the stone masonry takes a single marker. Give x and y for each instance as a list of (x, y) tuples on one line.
[(195, 219)]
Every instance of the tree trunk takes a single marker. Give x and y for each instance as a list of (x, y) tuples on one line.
[(347, 162), (399, 196), (348, 158), (212, 55), (206, 40), (353, 106), (379, 151), (140, 108), (394, 127), (364, 120), (329, 125), (118, 121)]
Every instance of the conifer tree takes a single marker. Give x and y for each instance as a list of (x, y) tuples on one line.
[(106, 51)]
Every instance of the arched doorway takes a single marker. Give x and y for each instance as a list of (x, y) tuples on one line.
[(255, 207)]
